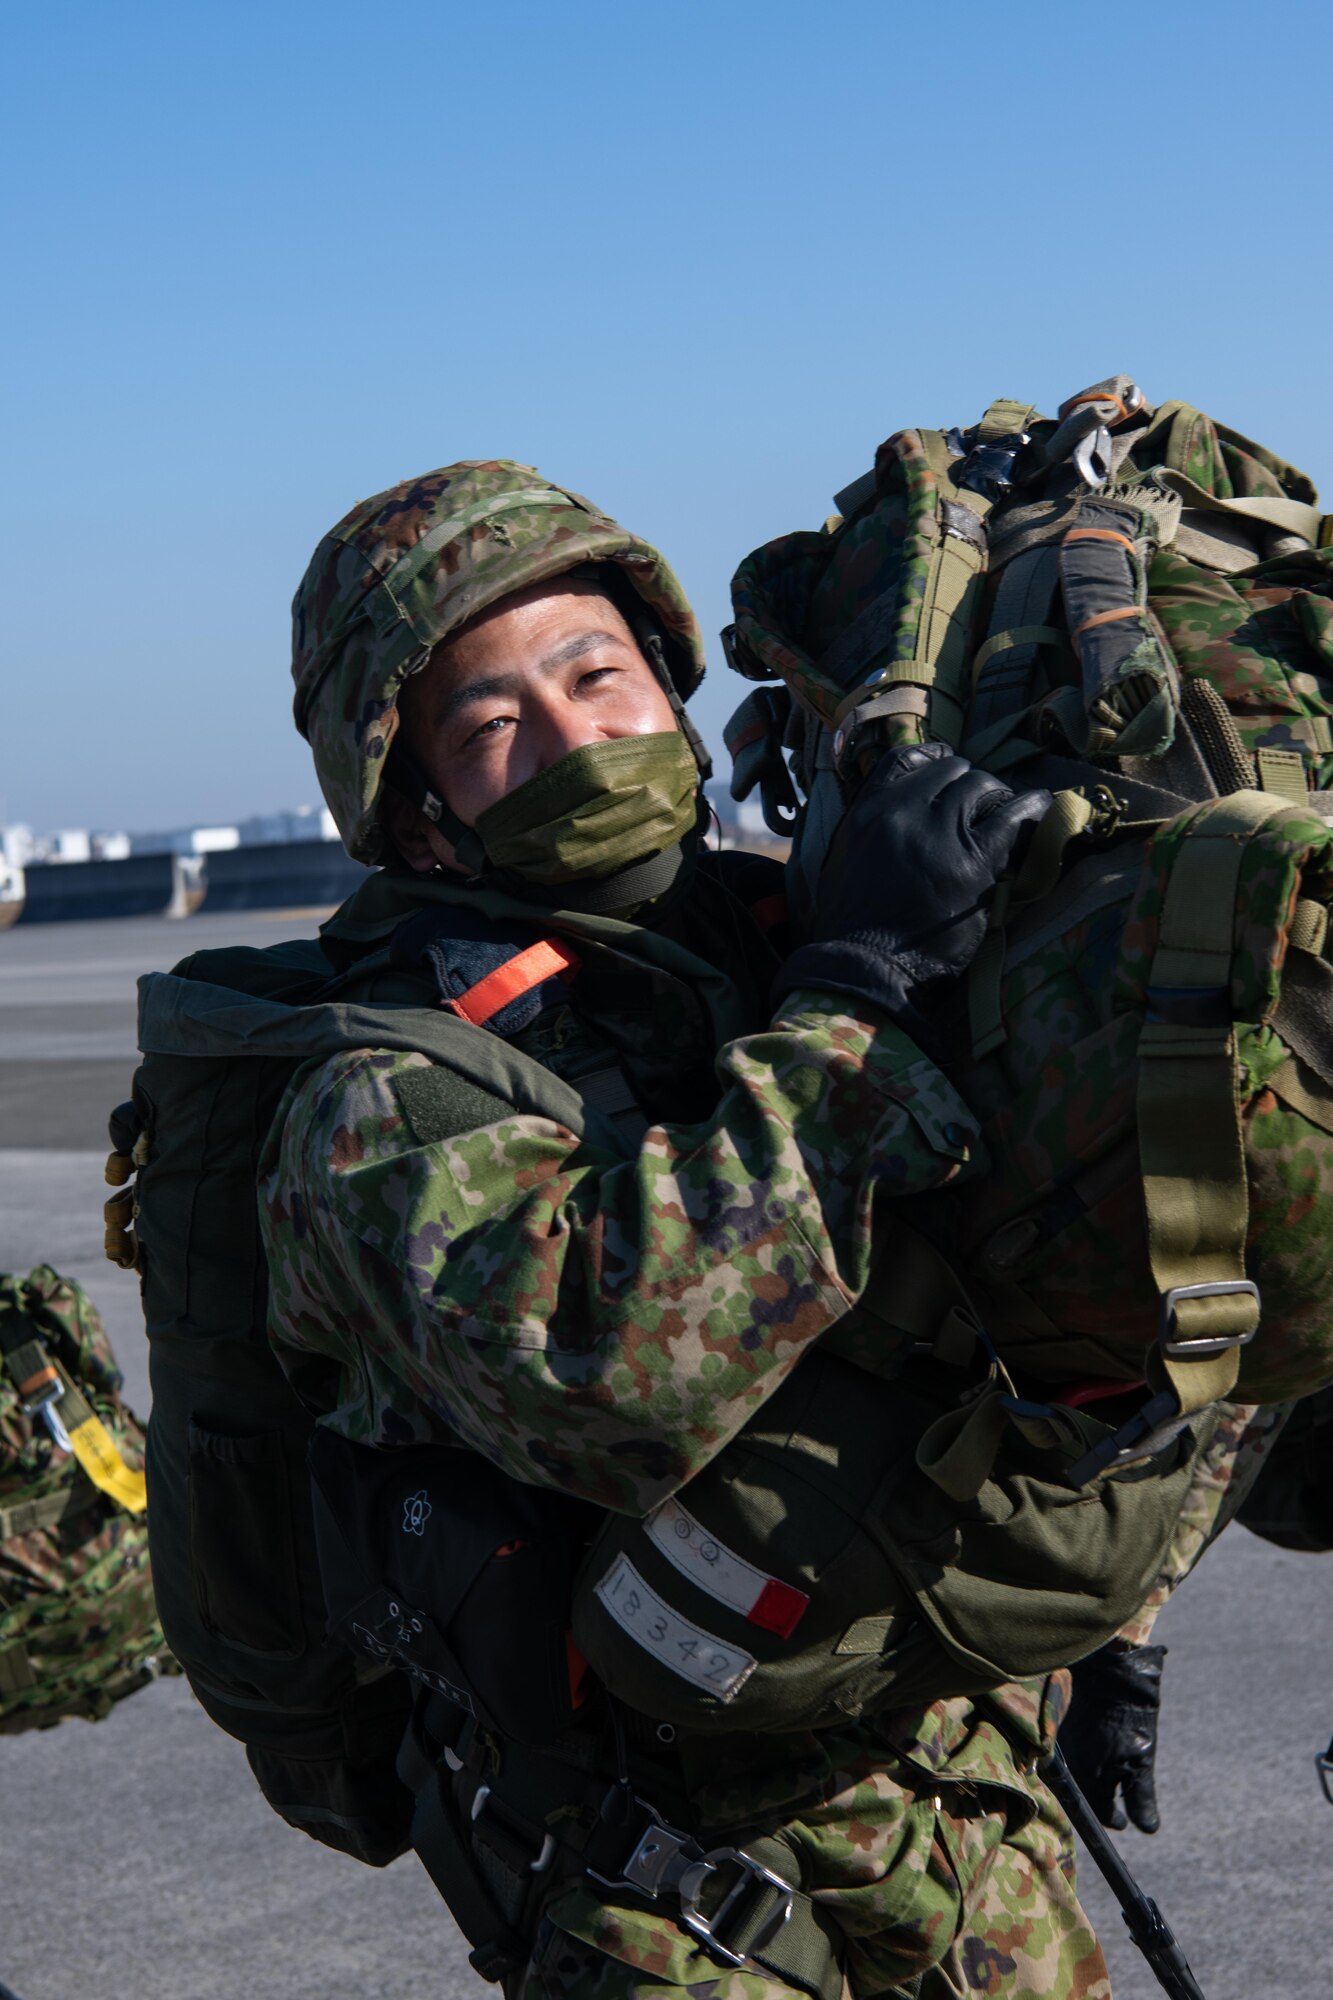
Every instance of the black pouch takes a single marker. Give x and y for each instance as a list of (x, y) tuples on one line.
[(436, 1563)]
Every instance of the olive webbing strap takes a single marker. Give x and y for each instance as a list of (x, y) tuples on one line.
[(805, 1950), (1191, 1146), (1291, 517), (942, 654)]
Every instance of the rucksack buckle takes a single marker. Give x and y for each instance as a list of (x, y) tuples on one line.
[(1176, 1347), (738, 1907)]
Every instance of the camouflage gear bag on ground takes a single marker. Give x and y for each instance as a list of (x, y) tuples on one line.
[(1133, 608), (77, 1624)]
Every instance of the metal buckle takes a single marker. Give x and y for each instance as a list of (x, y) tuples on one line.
[(1092, 457), (752, 1877), (1194, 1350), (1324, 1765), (43, 1405), (657, 1849)]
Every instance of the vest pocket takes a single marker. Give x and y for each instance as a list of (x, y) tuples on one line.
[(242, 1547)]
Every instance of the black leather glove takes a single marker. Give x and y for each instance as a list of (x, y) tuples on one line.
[(1109, 1736), (910, 874)]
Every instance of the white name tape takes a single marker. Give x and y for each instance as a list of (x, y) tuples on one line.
[(764, 1600), (697, 1656)]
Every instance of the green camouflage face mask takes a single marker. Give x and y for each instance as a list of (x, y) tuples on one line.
[(599, 810)]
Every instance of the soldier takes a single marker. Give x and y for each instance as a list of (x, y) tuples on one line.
[(504, 729)]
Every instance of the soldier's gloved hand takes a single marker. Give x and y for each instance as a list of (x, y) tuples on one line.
[(911, 871), (1109, 1736)]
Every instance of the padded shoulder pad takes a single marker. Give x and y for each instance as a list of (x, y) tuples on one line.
[(439, 1104)]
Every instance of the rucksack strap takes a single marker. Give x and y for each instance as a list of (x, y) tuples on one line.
[(1191, 1144)]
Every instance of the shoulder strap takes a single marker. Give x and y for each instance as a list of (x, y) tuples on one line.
[(1191, 1144)]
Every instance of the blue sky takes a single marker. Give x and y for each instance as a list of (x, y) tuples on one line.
[(693, 259)]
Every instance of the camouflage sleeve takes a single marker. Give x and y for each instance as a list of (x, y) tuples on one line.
[(1224, 1472), (600, 1324)]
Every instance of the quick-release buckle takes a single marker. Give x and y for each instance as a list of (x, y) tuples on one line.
[(752, 1880), (1198, 1350), (665, 1862), (45, 1405)]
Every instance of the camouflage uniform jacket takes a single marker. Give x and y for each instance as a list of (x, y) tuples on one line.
[(605, 1325), (584, 1320)]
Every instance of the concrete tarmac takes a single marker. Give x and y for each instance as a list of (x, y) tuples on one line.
[(138, 1857)]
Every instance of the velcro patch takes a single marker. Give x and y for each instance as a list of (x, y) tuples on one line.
[(684, 1649), (764, 1600)]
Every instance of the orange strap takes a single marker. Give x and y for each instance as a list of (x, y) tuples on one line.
[(1094, 396), (1105, 618), (511, 981), (1099, 535), (37, 1381)]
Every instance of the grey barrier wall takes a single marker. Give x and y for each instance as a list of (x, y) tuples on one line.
[(295, 874), (145, 885)]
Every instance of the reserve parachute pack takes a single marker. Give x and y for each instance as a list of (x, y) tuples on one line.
[(235, 1559), (868, 1539), (1133, 608), (78, 1629)]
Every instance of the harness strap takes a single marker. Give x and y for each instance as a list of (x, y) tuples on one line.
[(490, 1845)]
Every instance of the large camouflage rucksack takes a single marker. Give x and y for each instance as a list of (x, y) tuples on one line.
[(1133, 608), (77, 1624)]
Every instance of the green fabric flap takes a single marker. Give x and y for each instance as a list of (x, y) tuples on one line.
[(437, 1104), (187, 1017)]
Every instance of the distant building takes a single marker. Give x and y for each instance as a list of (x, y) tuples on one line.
[(17, 846), (187, 840), (304, 823), (111, 847), (70, 843)]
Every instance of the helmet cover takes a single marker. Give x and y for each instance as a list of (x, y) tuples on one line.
[(409, 567)]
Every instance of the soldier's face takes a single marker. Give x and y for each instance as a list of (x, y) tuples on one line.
[(543, 673)]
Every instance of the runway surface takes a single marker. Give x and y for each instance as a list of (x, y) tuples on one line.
[(138, 1857)]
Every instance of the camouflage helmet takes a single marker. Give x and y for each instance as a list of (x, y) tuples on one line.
[(407, 568)]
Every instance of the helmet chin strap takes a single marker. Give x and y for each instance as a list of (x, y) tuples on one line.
[(407, 778)]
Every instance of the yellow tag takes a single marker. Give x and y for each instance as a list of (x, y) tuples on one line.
[(95, 1449)]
